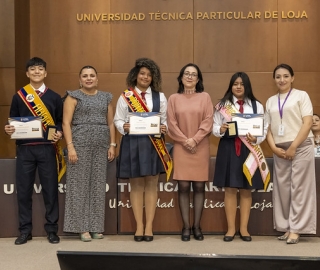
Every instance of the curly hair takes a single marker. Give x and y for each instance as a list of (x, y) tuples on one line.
[(155, 73)]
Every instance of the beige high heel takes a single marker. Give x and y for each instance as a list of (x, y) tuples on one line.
[(293, 241), (284, 236)]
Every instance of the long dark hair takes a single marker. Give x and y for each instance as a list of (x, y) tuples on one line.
[(248, 94), (199, 85), (155, 73)]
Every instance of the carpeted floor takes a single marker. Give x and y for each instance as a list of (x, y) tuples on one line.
[(38, 254)]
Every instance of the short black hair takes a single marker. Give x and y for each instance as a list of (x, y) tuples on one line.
[(285, 66), (36, 61), (199, 85)]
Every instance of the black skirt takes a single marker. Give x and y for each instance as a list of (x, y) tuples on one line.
[(138, 158), (229, 167)]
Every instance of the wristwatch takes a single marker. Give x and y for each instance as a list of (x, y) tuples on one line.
[(113, 144)]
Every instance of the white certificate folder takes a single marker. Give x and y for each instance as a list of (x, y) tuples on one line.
[(249, 123), (29, 127), (146, 123)]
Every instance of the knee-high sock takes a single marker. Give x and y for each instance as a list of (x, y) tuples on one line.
[(150, 201), (136, 198), (184, 202), (230, 204), (198, 201)]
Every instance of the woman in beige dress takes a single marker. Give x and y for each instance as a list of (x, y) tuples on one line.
[(190, 120), (289, 114)]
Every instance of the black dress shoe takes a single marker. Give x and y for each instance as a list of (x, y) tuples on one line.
[(53, 238), (227, 238), (23, 238), (185, 235), (148, 238), (197, 234), (138, 238), (245, 238)]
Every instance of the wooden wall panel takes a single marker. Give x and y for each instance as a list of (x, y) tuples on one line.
[(299, 39), (7, 53), (65, 43), (219, 47), (232, 45), (22, 40), (7, 146), (7, 85), (169, 43)]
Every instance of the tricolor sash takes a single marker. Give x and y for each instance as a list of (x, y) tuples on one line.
[(136, 104), (37, 108), (256, 157)]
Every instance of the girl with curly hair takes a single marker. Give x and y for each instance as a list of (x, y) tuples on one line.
[(138, 158)]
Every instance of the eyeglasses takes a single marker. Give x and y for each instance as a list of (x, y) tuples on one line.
[(192, 75)]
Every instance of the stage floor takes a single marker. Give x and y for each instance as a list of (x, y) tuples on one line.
[(38, 254)]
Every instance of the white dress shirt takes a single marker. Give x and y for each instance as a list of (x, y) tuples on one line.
[(122, 110), (42, 88), (218, 119)]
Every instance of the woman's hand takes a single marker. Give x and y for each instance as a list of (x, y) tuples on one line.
[(224, 128), (72, 154), (279, 152), (290, 153), (251, 138), (191, 145), (9, 129), (111, 153), (126, 127)]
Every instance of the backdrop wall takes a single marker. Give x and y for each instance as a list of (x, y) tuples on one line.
[(222, 37)]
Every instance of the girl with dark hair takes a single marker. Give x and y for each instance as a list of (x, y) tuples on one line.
[(289, 114), (233, 153), (190, 119), (139, 159)]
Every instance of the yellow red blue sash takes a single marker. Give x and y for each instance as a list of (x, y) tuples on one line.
[(256, 157), (37, 108), (136, 104)]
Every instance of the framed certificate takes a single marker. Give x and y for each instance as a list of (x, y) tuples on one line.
[(29, 127), (146, 123), (249, 123)]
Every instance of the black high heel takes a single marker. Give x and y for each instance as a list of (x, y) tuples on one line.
[(185, 235), (197, 234)]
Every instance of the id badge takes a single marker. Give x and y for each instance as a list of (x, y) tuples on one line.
[(281, 130)]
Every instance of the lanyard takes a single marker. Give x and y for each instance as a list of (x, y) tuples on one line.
[(281, 108)]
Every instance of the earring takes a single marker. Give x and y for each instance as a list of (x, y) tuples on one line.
[(80, 85)]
